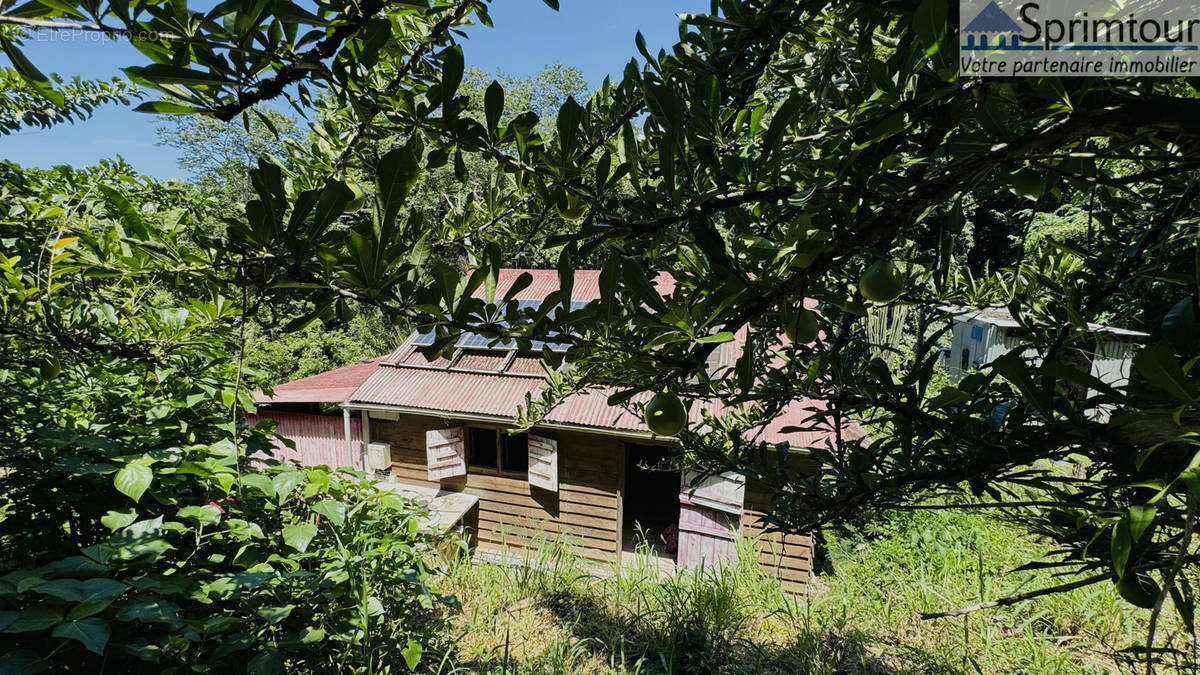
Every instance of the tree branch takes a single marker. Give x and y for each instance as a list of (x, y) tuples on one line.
[(132, 35), (1020, 597)]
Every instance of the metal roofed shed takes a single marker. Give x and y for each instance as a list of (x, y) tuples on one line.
[(980, 335)]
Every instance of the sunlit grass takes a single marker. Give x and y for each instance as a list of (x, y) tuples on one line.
[(550, 611)]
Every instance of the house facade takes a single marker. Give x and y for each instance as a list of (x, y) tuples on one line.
[(589, 472)]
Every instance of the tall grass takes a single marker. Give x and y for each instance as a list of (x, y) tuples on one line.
[(547, 610)]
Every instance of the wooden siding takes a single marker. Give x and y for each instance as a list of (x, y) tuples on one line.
[(586, 508), (787, 557)]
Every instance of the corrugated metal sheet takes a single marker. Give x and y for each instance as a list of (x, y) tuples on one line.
[(334, 386), (320, 439), (585, 287), (501, 395), (474, 360), (441, 390)]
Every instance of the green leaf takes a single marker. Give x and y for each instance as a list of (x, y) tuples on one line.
[(93, 633), (157, 74), (1026, 183), (310, 635), (267, 662), (493, 106), (37, 617), (1185, 604), (275, 614), (22, 662), (1121, 544), (166, 108), (133, 480), (153, 610), (412, 654), (452, 73), (70, 590), (1015, 370), (331, 509), (115, 520), (395, 175), (34, 77), (205, 515), (1160, 367), (930, 21), (1179, 325), (718, 338), (299, 536), (259, 482), (97, 589), (286, 483), (1140, 518)]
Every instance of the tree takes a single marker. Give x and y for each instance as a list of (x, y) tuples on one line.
[(775, 154), (218, 156)]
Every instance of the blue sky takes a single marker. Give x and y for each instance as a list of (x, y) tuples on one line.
[(596, 36)]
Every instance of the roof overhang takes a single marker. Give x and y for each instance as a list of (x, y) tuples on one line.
[(508, 421)]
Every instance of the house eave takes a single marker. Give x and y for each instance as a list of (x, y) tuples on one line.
[(499, 419)]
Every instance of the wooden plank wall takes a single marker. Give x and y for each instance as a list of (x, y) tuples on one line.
[(586, 508), (789, 557)]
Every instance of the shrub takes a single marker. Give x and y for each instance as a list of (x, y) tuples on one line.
[(135, 534)]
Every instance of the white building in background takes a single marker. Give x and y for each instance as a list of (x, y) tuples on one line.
[(979, 336)]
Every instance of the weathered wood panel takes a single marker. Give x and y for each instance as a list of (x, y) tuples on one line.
[(787, 557), (585, 510)]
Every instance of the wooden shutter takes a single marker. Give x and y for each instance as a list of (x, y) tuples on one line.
[(725, 492), (710, 519), (446, 452), (543, 462)]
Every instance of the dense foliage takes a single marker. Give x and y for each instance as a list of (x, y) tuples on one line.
[(135, 531), (774, 154)]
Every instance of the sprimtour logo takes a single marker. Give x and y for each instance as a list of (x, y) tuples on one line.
[(1072, 38)]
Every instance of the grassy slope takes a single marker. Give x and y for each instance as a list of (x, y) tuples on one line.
[(862, 617)]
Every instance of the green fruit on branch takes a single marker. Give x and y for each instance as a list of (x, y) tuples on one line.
[(49, 367), (882, 282), (803, 327), (356, 202), (574, 209), (1139, 590), (665, 414)]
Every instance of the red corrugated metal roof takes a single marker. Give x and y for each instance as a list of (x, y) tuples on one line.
[(500, 395), (405, 380), (334, 386), (585, 287)]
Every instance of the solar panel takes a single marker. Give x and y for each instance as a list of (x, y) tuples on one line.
[(471, 340)]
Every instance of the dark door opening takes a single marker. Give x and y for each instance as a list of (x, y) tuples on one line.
[(651, 501)]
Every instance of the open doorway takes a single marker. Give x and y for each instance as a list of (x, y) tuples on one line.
[(651, 502)]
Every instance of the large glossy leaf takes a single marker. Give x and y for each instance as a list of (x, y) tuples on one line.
[(395, 175), (299, 536), (133, 480), (93, 633), (1160, 367), (331, 509)]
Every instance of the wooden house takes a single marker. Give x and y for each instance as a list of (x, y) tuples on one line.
[(589, 471)]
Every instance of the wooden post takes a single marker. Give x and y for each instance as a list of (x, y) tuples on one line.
[(366, 433), (349, 441)]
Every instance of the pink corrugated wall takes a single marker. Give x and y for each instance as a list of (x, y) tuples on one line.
[(320, 439)]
